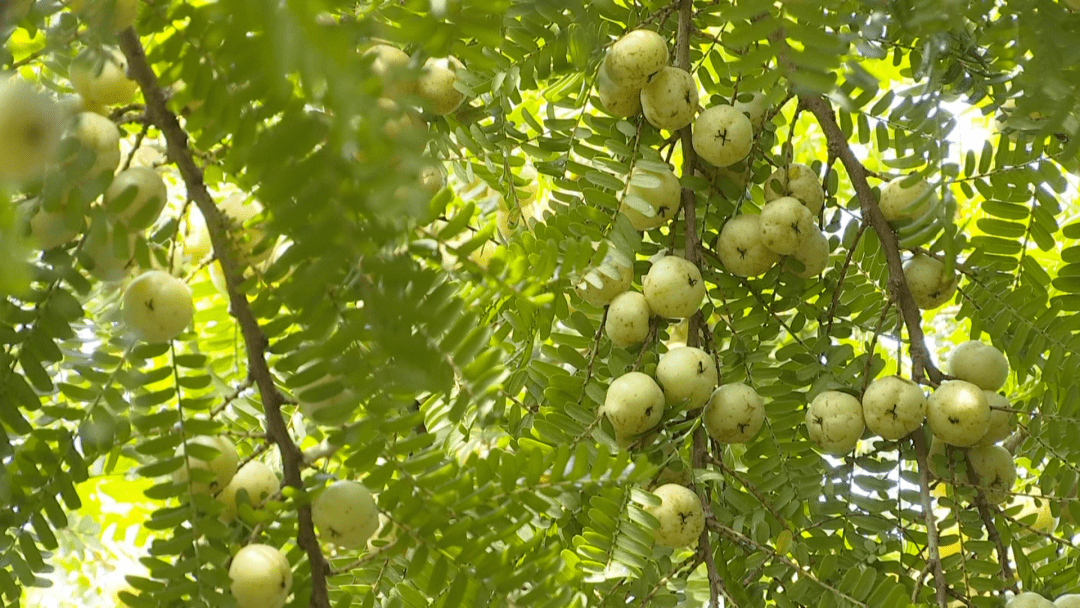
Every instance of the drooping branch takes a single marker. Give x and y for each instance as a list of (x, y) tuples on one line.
[(922, 365), (254, 339)]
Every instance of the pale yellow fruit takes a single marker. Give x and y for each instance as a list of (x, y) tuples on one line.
[(136, 197), (195, 235), (834, 421), (687, 376), (1029, 599), (30, 127), (112, 15), (50, 230), (928, 282), (723, 135), (957, 413), (1069, 600), (901, 200), (670, 100), (995, 470), (255, 478), (158, 306), (634, 403), (398, 121), (437, 85), (682, 520), (754, 106), (327, 400), (600, 285), (261, 577), (345, 514), (1000, 425), (980, 364), (812, 253), (893, 407), (391, 64), (627, 321), (621, 102), (784, 223), (1035, 511), (652, 198), (673, 287), (100, 77), (734, 413), (101, 136), (110, 257), (797, 181), (741, 250), (222, 463), (633, 59)]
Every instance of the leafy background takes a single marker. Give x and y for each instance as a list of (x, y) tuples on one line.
[(475, 379)]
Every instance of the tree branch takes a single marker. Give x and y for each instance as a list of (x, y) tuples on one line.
[(934, 560), (254, 338), (922, 366)]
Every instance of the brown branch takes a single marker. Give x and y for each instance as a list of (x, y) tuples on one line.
[(922, 366), (934, 559), (254, 338)]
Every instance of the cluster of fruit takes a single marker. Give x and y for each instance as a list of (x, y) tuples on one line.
[(344, 513)]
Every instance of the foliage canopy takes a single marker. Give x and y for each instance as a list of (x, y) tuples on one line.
[(465, 373)]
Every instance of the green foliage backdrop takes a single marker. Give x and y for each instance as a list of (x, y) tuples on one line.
[(471, 371)]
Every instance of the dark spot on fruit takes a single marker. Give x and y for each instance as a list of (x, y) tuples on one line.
[(691, 280), (954, 420), (687, 98), (818, 420), (648, 411), (892, 411), (150, 304), (662, 211), (934, 294), (34, 133), (701, 367), (721, 134), (742, 252), (743, 426), (795, 227), (684, 516)]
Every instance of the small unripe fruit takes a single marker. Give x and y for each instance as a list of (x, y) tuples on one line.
[(673, 287), (255, 478), (437, 85), (136, 197), (682, 520), (742, 251), (753, 105), (628, 319), (600, 285), (1028, 599), (634, 403), (100, 135), (734, 413), (994, 468), (670, 100), (687, 375), (345, 514), (784, 223), (980, 364), (834, 422), (30, 128), (635, 57), (812, 253), (391, 65), (901, 200), (158, 306), (658, 191), (208, 453), (261, 577), (957, 413), (797, 181), (893, 407), (1001, 420), (622, 102), (100, 77), (723, 135), (928, 282)]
